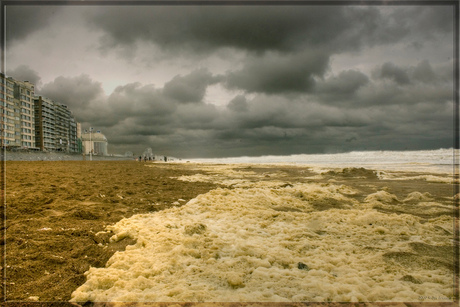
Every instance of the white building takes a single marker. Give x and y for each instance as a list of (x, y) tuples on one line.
[(94, 142)]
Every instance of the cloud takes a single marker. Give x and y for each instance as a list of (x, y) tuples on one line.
[(76, 92), (136, 100), (203, 29), (23, 20), (84, 97), (341, 87), (276, 73), (190, 88), (423, 72), (25, 73), (392, 72), (238, 104)]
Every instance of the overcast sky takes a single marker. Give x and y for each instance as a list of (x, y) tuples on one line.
[(219, 81)]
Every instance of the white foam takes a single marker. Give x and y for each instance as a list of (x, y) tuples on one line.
[(264, 242)]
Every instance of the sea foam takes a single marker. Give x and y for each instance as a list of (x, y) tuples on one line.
[(264, 241)]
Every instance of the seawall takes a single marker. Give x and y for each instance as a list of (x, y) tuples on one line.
[(54, 156)]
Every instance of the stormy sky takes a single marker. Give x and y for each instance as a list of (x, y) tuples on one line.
[(244, 80)]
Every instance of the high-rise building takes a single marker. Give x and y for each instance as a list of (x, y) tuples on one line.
[(55, 127), (73, 141), (62, 127), (44, 123), (24, 110), (7, 120), (35, 122), (17, 113)]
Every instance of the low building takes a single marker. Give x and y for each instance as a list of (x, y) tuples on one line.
[(94, 143)]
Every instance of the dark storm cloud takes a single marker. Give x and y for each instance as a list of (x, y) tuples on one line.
[(426, 21), (76, 92), (136, 100), (342, 86), (277, 73), (423, 72), (393, 72), (25, 73), (203, 28), (238, 104), (190, 88), (411, 85), (24, 20), (256, 28), (84, 97)]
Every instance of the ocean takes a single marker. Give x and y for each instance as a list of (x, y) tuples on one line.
[(301, 228), (440, 160)]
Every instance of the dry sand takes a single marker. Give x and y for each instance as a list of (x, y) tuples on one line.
[(57, 213)]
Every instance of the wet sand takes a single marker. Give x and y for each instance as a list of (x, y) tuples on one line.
[(55, 211)]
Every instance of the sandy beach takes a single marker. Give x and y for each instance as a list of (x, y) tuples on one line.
[(54, 210), (76, 230)]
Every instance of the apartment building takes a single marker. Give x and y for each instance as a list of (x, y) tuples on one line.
[(8, 122), (34, 122), (24, 110), (44, 123), (55, 127), (17, 113)]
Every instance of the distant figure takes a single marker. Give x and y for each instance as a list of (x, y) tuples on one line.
[(140, 159), (145, 159)]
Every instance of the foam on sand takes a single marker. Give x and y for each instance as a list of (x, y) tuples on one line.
[(270, 242)]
